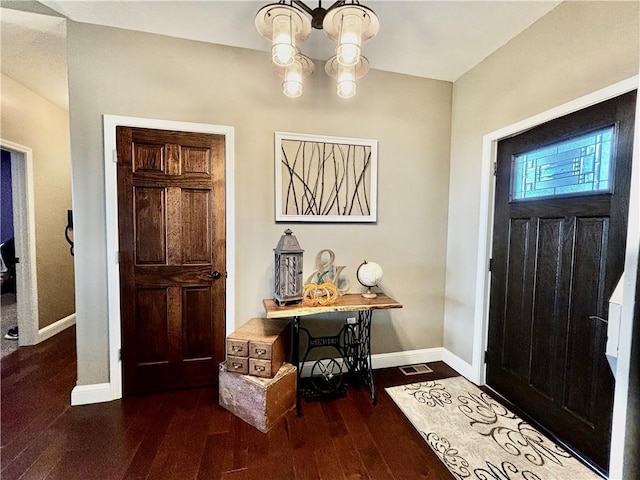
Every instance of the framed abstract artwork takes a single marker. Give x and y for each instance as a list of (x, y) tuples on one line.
[(325, 179)]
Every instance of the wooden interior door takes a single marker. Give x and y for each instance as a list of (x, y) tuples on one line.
[(171, 216), (556, 260)]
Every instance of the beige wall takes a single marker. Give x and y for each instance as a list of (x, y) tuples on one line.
[(32, 121), (119, 72), (577, 48)]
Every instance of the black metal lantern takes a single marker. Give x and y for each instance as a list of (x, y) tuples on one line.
[(288, 284)]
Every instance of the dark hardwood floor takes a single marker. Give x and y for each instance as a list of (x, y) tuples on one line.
[(187, 435)]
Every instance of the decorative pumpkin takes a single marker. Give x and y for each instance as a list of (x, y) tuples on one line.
[(319, 294)]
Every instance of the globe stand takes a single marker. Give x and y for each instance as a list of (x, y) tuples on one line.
[(369, 294), (369, 275)]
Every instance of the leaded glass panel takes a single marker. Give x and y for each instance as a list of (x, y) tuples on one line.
[(579, 165)]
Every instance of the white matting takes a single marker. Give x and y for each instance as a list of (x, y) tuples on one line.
[(478, 438)]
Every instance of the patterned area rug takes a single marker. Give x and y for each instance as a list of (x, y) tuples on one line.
[(477, 438)]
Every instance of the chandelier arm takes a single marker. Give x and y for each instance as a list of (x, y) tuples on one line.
[(317, 14), (303, 6), (337, 3)]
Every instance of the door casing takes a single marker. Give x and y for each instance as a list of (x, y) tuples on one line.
[(477, 372), (114, 389)]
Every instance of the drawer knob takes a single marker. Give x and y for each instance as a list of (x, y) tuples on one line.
[(236, 365), (259, 368), (260, 351), (235, 348)]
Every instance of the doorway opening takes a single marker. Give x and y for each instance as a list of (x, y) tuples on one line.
[(25, 288), (9, 317)]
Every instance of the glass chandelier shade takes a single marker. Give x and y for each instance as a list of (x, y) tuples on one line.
[(350, 25), (283, 48), (346, 75), (292, 85), (286, 27), (348, 51), (294, 74), (346, 22), (346, 81)]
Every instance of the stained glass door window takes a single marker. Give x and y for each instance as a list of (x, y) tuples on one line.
[(580, 165)]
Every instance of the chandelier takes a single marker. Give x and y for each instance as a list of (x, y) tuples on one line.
[(346, 22)]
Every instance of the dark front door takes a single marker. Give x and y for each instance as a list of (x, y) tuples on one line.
[(171, 215), (560, 221)]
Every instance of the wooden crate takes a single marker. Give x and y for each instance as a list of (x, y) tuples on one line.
[(265, 342), (260, 402)]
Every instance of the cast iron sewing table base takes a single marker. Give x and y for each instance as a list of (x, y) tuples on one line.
[(352, 343)]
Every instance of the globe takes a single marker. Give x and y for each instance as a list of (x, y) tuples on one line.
[(369, 274)]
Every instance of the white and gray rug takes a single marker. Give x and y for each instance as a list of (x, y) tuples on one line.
[(478, 438)]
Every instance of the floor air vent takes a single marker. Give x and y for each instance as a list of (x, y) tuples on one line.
[(416, 369)]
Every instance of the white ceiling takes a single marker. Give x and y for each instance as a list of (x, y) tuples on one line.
[(33, 52), (434, 39)]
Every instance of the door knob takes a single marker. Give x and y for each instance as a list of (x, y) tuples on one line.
[(215, 275)]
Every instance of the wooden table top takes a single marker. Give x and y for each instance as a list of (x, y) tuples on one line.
[(350, 302)]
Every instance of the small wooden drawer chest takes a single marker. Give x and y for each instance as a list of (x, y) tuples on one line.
[(259, 347)]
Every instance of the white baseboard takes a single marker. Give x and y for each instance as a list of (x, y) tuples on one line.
[(87, 394), (425, 355), (56, 327), (409, 357), (102, 392)]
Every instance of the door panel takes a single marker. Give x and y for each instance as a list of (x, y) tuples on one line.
[(546, 291), (197, 330), (148, 158), (196, 160), (556, 260), (172, 239), (149, 203), (196, 235), (584, 346), (518, 303), (151, 306)]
